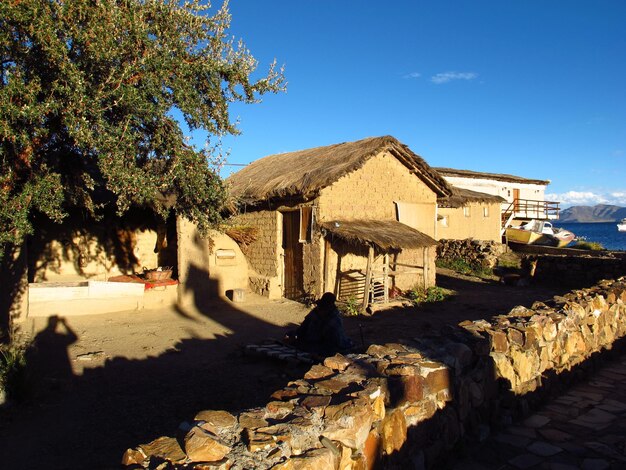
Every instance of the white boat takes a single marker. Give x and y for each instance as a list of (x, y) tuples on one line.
[(539, 232), (621, 226)]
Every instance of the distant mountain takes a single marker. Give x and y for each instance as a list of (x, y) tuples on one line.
[(599, 213)]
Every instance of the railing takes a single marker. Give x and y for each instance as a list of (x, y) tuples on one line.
[(530, 209)]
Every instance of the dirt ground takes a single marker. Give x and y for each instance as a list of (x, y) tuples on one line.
[(103, 383)]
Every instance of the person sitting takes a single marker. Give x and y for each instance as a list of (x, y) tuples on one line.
[(322, 331)]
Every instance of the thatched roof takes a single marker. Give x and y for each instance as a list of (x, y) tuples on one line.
[(385, 234), (304, 173), (489, 176), (462, 197)]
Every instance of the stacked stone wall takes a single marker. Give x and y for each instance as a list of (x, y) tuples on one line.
[(476, 252), (410, 402), (580, 270)]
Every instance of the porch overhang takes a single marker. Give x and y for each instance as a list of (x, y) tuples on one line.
[(386, 235)]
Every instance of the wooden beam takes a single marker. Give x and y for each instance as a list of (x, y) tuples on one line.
[(368, 276), (326, 265), (425, 271)]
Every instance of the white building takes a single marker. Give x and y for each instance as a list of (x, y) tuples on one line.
[(525, 197)]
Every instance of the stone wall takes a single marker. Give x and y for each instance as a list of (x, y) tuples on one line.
[(476, 252), (579, 270), (408, 403)]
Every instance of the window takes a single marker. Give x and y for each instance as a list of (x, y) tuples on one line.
[(306, 224), (486, 211), (466, 211)]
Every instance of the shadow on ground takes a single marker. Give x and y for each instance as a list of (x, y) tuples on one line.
[(76, 422), (88, 421)]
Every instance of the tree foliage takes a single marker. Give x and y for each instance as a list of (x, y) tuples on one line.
[(88, 89)]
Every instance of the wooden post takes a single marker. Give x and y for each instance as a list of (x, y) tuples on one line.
[(425, 261), (386, 278), (326, 265), (368, 276)]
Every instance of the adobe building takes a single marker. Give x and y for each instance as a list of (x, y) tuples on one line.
[(524, 198), (356, 219), (469, 214), (80, 267)]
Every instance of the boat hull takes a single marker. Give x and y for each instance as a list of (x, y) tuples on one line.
[(526, 237), (529, 237)]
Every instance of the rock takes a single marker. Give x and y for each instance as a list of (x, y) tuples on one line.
[(285, 393), (437, 379), (252, 419), (504, 368), (337, 362), (258, 441), (350, 424), (203, 446), (317, 459), (393, 432), (406, 389), (280, 408), (216, 421), (401, 369), (332, 385), (133, 457), (224, 464), (317, 403), (318, 371), (515, 337), (371, 449), (423, 411), (166, 448)]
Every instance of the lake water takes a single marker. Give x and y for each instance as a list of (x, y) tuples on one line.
[(604, 233)]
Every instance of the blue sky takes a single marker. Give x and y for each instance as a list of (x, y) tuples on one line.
[(534, 88)]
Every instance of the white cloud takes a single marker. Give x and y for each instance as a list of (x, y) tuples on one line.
[(412, 75), (446, 77), (588, 198)]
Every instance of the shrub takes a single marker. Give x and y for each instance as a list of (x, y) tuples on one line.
[(590, 246), (13, 368), (461, 266), (419, 295), (351, 307)]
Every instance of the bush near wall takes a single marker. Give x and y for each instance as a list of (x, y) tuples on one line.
[(413, 401)]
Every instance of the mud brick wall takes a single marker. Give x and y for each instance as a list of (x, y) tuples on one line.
[(262, 254), (370, 194), (476, 252), (406, 403), (578, 270)]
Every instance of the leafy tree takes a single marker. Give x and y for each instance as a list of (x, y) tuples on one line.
[(88, 91)]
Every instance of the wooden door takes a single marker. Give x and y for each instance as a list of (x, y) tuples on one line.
[(293, 268), (516, 199)]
